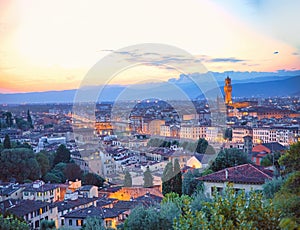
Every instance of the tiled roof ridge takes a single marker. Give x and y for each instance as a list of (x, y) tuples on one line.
[(256, 168)]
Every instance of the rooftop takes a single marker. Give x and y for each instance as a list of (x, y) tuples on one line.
[(242, 174)]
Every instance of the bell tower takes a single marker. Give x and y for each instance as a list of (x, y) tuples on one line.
[(227, 91)]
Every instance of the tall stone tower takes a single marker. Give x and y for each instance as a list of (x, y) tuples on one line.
[(227, 91)]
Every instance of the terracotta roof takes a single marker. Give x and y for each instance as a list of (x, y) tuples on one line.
[(242, 174), (268, 147)]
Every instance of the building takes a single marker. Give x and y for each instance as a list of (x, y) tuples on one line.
[(239, 132), (10, 191), (245, 177), (154, 127), (88, 191), (228, 91), (111, 217), (34, 212), (193, 132), (40, 191)]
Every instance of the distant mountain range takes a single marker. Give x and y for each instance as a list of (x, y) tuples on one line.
[(174, 89)]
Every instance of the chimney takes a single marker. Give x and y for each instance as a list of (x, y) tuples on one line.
[(226, 174)]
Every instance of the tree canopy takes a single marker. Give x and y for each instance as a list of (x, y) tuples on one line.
[(19, 163), (290, 160), (229, 158), (62, 155)]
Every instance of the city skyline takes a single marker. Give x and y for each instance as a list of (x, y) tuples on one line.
[(52, 45)]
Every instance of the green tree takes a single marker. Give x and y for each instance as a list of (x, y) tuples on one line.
[(6, 142), (201, 145), (287, 200), (29, 119), (290, 160), (8, 119), (56, 175), (72, 172), (167, 178), (148, 178), (272, 186), (270, 159), (228, 134), (19, 163), (190, 184), (127, 179), (93, 223), (47, 225), (231, 210), (177, 179), (92, 179), (141, 218), (43, 162), (12, 223), (229, 158), (62, 155)]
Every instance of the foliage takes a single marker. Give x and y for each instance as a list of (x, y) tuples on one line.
[(19, 163), (151, 218), (12, 223), (62, 155), (201, 145), (148, 178), (228, 134), (72, 172), (22, 124), (270, 158), (92, 179), (189, 183), (29, 119), (198, 201), (231, 211), (47, 224), (43, 162), (167, 178), (8, 119), (272, 186), (290, 160), (127, 179), (93, 223), (56, 175), (177, 179), (6, 142), (288, 201), (229, 158)]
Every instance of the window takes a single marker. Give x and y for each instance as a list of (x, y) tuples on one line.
[(26, 193), (70, 222), (108, 223), (62, 222), (78, 222)]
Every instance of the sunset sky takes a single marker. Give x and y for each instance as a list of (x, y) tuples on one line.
[(51, 44)]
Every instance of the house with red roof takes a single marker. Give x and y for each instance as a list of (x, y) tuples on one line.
[(261, 150), (243, 177)]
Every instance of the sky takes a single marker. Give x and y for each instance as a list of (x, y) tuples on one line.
[(52, 44)]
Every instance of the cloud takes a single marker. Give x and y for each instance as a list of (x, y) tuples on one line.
[(295, 53), (226, 60)]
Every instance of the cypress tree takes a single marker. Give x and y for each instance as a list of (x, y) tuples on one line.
[(127, 180), (177, 179), (6, 143), (148, 178)]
